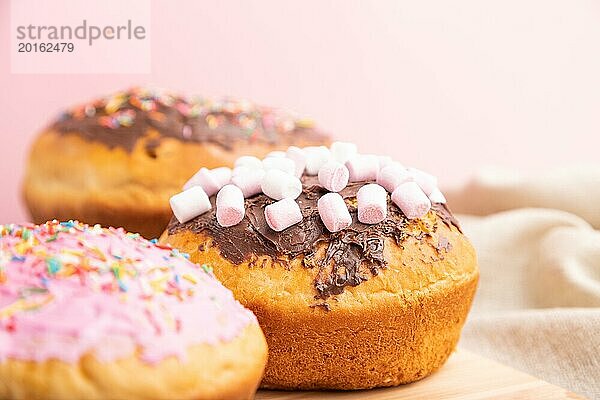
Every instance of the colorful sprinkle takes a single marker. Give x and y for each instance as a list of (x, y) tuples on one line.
[(54, 265), (123, 109), (82, 257)]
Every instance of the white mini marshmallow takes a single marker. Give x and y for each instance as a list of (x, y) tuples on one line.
[(243, 170), (395, 164), (281, 163), (372, 204), (248, 180), (437, 196), (248, 161), (316, 156), (384, 161), (279, 185), (276, 153), (282, 214), (392, 176), (363, 167), (426, 181), (230, 206), (298, 156), (333, 176), (412, 200), (333, 212), (222, 175), (343, 151), (190, 203), (205, 179)]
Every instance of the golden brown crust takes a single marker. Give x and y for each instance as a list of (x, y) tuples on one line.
[(229, 370), (69, 177), (394, 328)]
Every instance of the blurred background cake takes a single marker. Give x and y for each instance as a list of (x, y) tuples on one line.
[(117, 160)]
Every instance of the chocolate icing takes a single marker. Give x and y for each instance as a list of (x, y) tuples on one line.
[(446, 215), (122, 119), (351, 257)]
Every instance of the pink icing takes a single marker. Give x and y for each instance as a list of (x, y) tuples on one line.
[(68, 289)]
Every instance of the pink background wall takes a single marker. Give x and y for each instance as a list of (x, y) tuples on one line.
[(446, 86)]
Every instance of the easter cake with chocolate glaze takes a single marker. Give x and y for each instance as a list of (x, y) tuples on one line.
[(357, 271), (117, 160)]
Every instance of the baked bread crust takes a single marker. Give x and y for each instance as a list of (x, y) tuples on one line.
[(69, 177), (396, 327), (229, 370)]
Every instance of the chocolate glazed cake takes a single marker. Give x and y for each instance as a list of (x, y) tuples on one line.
[(366, 305), (121, 120), (117, 160)]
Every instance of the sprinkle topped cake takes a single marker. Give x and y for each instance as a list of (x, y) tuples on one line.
[(123, 117), (117, 160), (69, 291)]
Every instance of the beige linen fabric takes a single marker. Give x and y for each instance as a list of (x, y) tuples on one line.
[(538, 304), (575, 189)]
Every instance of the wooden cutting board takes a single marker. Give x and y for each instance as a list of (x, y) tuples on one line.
[(465, 376)]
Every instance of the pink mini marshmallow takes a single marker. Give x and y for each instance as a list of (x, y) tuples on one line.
[(333, 212), (205, 179), (248, 180), (437, 196), (384, 161), (279, 185), (372, 204), (248, 161), (298, 156), (190, 203), (333, 176), (363, 168), (230, 206), (411, 199), (396, 164), (222, 175), (426, 181), (316, 156), (281, 163), (282, 214), (392, 176), (276, 153), (343, 151), (243, 170)]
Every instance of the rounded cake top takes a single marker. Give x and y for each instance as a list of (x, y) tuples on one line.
[(123, 117), (290, 203), (68, 289)]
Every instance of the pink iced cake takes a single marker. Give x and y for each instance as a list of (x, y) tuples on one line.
[(96, 313)]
